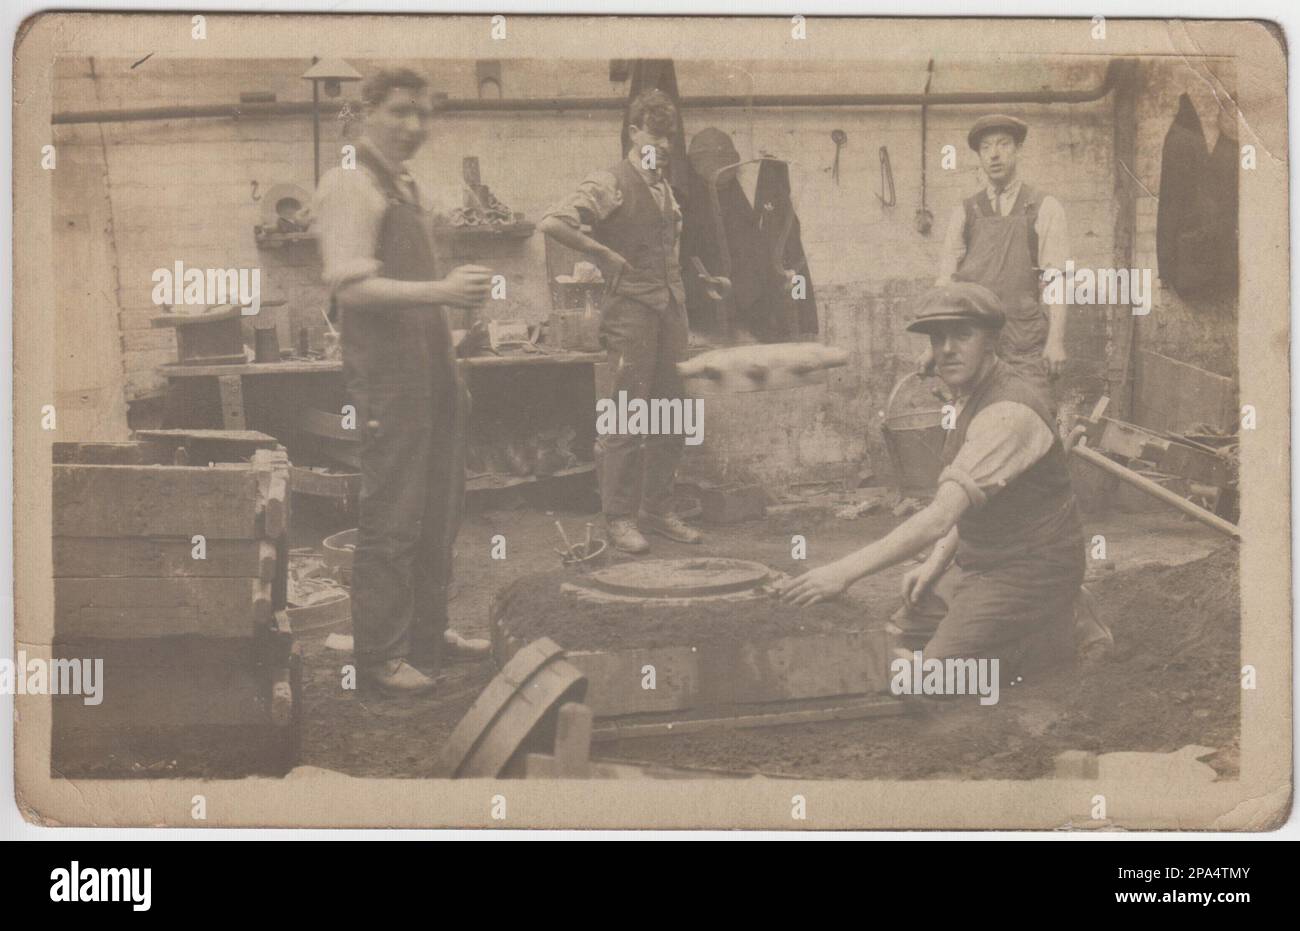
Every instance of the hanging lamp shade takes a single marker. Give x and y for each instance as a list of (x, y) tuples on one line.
[(333, 72)]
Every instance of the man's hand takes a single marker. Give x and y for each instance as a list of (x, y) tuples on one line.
[(466, 286), (917, 581), (611, 264), (1054, 354), (821, 584)]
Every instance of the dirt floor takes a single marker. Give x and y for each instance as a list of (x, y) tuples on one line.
[(1168, 589)]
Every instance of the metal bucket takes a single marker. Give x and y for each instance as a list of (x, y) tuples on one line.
[(914, 440), (337, 549)]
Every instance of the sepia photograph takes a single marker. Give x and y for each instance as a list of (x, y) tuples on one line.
[(783, 422)]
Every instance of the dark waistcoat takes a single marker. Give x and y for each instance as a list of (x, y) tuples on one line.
[(1036, 509), (645, 235)]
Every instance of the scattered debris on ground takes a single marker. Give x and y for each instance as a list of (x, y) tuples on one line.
[(1172, 682)]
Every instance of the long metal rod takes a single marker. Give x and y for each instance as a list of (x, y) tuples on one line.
[(925, 127), (1156, 490), (315, 130), (559, 104)]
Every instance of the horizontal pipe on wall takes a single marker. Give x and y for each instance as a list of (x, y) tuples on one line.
[(558, 104)]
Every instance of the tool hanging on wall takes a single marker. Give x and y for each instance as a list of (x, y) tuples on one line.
[(924, 218), (886, 180), (841, 139)]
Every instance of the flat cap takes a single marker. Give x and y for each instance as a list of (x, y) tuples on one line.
[(960, 300), (999, 121)]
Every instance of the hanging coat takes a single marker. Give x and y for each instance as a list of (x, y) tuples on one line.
[(1196, 222), (779, 225), (728, 241)]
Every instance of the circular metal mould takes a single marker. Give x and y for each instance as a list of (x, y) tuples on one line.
[(515, 713), (680, 578)]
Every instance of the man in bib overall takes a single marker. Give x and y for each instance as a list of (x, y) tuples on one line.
[(400, 372), (1006, 237)]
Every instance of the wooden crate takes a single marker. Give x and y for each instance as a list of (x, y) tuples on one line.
[(200, 669)]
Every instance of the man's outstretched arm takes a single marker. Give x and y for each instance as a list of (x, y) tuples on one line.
[(927, 526)]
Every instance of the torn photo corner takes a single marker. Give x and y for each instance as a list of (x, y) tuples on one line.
[(617, 422)]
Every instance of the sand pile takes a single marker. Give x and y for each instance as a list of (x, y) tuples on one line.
[(1175, 676)]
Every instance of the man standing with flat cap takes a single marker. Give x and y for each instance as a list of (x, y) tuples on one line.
[(1008, 237), (1007, 561)]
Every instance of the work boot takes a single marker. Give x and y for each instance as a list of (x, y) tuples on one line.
[(670, 526), (398, 677), (625, 536), (1093, 640)]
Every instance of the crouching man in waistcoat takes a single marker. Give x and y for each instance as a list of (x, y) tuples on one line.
[(1003, 576)]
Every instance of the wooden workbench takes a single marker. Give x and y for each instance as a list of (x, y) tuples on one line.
[(271, 397)]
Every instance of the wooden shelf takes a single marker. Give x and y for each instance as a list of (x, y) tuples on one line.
[(308, 367), (520, 230), (505, 480), (273, 239)]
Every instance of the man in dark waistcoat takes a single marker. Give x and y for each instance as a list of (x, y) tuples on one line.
[(1009, 237), (1008, 549), (400, 371), (634, 226)]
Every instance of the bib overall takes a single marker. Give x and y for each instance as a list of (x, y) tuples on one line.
[(400, 369)]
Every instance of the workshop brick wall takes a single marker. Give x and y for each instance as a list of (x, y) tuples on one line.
[(867, 261)]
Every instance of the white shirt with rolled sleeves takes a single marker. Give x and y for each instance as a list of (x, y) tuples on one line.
[(349, 210), (598, 196), (1002, 442)]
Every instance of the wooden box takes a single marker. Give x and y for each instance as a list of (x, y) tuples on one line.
[(175, 575), (212, 338)]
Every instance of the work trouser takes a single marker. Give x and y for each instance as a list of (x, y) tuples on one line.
[(644, 347), (1021, 613), (412, 488), (1020, 344), (1032, 367)]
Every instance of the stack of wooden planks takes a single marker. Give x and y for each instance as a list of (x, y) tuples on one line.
[(170, 564)]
